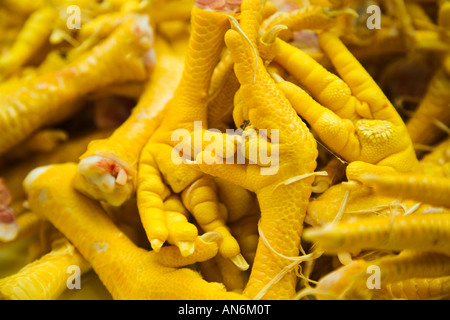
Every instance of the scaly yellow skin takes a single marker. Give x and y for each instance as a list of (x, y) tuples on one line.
[(429, 185), (121, 150), (246, 232), (418, 187), (306, 18), (111, 254), (180, 231), (67, 151), (268, 108), (31, 38), (46, 24), (422, 126), (220, 106), (437, 162), (188, 105), (364, 202), (417, 289), (220, 75), (350, 281), (53, 61), (361, 203), (352, 116), (238, 201), (415, 231), (20, 115), (104, 24), (114, 14), (242, 215), (45, 278)]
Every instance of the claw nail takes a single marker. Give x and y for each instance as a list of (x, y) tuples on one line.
[(270, 36), (122, 177), (33, 175), (211, 237), (239, 261), (186, 247), (156, 244)]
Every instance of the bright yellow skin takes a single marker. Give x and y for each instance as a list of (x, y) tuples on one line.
[(222, 203), (363, 201), (31, 38), (417, 289), (437, 162), (224, 86), (111, 254), (434, 107), (46, 23), (189, 104), (232, 277), (180, 231), (20, 115), (239, 202), (350, 281), (306, 18), (242, 215), (103, 25), (246, 232), (415, 231), (352, 116), (53, 61), (123, 147), (67, 151), (268, 108), (45, 278), (429, 185), (114, 14), (418, 187)]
